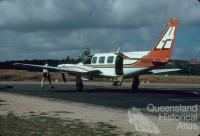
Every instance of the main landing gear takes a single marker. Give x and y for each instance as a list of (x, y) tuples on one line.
[(135, 83), (79, 83)]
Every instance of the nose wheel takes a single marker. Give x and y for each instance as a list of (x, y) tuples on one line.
[(135, 83), (118, 81)]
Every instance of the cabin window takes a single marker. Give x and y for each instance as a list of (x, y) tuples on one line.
[(101, 59), (110, 59), (94, 60)]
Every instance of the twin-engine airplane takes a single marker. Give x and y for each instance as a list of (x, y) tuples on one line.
[(120, 65)]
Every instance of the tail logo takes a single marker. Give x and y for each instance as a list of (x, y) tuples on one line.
[(166, 41)]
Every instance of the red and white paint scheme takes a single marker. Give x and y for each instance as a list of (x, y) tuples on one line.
[(120, 65)]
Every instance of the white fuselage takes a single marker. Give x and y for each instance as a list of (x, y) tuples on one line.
[(108, 69), (105, 62)]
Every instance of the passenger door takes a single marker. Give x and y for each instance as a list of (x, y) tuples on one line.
[(119, 65)]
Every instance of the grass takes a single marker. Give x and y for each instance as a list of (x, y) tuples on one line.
[(22, 75), (12, 125)]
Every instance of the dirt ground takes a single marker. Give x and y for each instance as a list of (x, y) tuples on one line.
[(123, 119)]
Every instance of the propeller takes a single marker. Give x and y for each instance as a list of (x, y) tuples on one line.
[(85, 55), (118, 53)]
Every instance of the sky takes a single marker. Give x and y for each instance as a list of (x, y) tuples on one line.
[(55, 29)]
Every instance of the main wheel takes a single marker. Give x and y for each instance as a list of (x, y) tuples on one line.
[(135, 83), (79, 83), (79, 86)]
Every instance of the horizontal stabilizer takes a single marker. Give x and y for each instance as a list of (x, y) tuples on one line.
[(156, 71)]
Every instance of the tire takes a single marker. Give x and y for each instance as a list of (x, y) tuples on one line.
[(135, 84)]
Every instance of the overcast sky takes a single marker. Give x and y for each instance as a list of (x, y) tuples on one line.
[(40, 29)]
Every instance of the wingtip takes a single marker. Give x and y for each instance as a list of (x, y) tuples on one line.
[(15, 64)]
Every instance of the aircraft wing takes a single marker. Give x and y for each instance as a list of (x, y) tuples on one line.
[(71, 69), (156, 71)]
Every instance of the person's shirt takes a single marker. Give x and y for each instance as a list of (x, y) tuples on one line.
[(45, 70)]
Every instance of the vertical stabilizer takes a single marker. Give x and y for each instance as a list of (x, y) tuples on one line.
[(162, 51)]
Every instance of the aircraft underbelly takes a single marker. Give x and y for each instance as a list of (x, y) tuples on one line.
[(126, 71), (107, 71)]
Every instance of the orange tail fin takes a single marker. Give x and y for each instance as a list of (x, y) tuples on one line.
[(162, 51)]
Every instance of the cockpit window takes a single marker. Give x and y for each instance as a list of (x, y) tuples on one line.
[(101, 59), (94, 60), (110, 59)]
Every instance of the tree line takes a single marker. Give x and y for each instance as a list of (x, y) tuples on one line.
[(51, 62), (186, 68)]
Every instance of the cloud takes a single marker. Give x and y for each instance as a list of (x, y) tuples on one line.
[(58, 28), (37, 15), (59, 44)]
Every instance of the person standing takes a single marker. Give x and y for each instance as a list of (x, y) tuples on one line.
[(46, 75)]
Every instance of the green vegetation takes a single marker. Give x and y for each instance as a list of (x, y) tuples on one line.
[(186, 67), (52, 62), (21, 75), (12, 125)]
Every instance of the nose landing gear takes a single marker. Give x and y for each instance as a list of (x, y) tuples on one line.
[(118, 81)]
